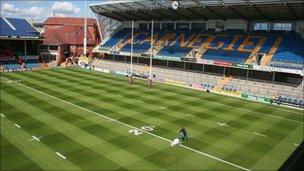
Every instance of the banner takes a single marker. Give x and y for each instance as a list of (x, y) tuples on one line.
[(125, 53), (222, 63), (204, 61), (158, 79), (121, 73), (245, 66), (83, 60), (274, 69), (114, 52), (102, 70), (189, 59), (256, 98), (172, 58), (15, 70), (195, 86)]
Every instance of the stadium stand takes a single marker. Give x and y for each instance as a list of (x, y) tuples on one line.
[(19, 44), (287, 51), (17, 27), (208, 45)]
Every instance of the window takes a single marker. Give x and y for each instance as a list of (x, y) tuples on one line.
[(156, 26), (53, 47), (282, 26), (168, 26), (198, 26), (260, 26), (182, 26), (143, 26)]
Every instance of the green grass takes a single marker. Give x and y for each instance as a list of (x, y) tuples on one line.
[(66, 107)]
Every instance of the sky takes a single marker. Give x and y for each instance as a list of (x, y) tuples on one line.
[(40, 10)]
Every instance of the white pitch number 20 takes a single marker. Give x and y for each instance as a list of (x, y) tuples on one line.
[(137, 132)]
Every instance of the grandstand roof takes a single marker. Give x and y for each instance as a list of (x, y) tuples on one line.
[(15, 27), (268, 10)]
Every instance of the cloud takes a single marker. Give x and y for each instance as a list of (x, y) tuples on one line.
[(7, 7), (40, 11), (65, 8), (33, 1), (34, 12)]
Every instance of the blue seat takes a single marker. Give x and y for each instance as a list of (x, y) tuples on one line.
[(289, 54)]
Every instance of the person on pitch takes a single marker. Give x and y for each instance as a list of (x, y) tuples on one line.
[(183, 135)]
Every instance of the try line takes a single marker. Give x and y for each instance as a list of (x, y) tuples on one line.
[(130, 126)]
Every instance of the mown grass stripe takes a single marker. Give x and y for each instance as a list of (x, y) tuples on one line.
[(93, 128), (34, 151), (211, 136), (189, 92), (175, 106), (87, 140), (217, 101), (202, 153), (54, 139), (181, 122), (13, 159), (201, 135), (240, 123)]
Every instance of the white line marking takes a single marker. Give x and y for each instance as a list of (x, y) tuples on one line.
[(62, 156), (9, 24), (162, 107), (222, 124), (111, 120), (130, 126), (18, 126), (260, 134), (250, 111), (2, 115), (35, 138), (191, 115), (297, 145)]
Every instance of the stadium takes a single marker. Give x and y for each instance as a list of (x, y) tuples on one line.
[(156, 85)]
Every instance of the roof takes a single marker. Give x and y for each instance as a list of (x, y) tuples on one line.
[(69, 21), (67, 34), (17, 27), (267, 10)]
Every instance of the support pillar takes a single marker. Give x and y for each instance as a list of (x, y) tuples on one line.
[(151, 55), (273, 77)]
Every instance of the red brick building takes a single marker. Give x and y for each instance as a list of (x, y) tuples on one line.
[(63, 37)]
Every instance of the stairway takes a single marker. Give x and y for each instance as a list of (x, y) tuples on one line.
[(245, 43), (266, 59), (123, 42), (221, 83), (164, 41), (202, 49), (235, 39), (256, 50)]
